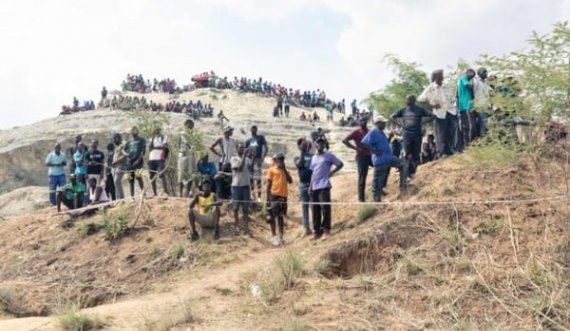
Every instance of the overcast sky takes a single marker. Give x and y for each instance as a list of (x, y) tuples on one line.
[(54, 50)]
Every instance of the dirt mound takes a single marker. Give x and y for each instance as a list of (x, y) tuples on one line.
[(48, 261)]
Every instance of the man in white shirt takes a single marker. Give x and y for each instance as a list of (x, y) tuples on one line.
[(242, 168), (156, 159), (440, 98), (482, 100)]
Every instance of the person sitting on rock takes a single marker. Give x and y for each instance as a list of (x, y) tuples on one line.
[(71, 194), (208, 213)]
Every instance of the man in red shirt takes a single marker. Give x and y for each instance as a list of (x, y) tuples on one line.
[(363, 160)]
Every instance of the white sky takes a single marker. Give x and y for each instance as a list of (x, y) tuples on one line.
[(53, 50)]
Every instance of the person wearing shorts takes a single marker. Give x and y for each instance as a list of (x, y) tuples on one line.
[(134, 150), (208, 213), (278, 179), (242, 166)]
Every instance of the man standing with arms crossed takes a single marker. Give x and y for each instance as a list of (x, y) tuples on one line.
[(362, 155)]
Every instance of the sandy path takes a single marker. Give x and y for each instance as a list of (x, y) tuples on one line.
[(214, 296)]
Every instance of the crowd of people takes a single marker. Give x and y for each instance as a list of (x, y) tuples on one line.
[(96, 177), (76, 107), (137, 83), (130, 103)]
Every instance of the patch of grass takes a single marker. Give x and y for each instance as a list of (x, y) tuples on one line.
[(489, 226), (490, 153), (154, 250), (294, 325), (87, 229), (290, 265), (72, 320), (8, 300), (320, 266), (179, 250), (412, 268), (366, 212), (179, 316), (115, 227)]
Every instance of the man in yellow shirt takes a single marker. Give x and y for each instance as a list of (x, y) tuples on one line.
[(277, 180), (208, 213)]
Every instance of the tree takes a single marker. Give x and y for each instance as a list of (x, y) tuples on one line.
[(539, 76), (409, 80)]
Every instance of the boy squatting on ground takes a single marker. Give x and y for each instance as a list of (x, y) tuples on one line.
[(208, 213)]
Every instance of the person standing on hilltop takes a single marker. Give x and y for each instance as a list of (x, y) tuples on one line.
[(320, 188), (278, 179), (363, 161), (258, 143), (482, 101), (227, 145), (382, 158), (440, 98), (242, 167), (158, 152), (186, 159), (104, 93), (95, 162), (119, 165), (134, 150), (467, 114), (55, 161), (303, 164), (410, 119)]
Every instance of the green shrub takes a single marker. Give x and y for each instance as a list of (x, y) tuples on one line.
[(290, 265)]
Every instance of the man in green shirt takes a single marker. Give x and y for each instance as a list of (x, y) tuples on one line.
[(71, 194), (467, 115)]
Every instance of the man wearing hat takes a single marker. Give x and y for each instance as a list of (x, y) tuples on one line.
[(227, 145), (278, 179), (382, 157)]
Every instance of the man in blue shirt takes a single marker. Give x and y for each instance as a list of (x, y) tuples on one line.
[(411, 119), (382, 158), (55, 162), (467, 115)]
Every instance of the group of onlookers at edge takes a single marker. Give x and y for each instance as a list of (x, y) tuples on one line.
[(239, 176)]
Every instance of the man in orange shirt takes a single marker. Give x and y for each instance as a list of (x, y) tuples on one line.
[(277, 180)]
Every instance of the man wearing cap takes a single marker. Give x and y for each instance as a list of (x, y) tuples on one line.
[(278, 179), (71, 194), (363, 160), (382, 157), (320, 188), (410, 119), (55, 161), (227, 145)]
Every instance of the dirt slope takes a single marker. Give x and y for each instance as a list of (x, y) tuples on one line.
[(500, 261)]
